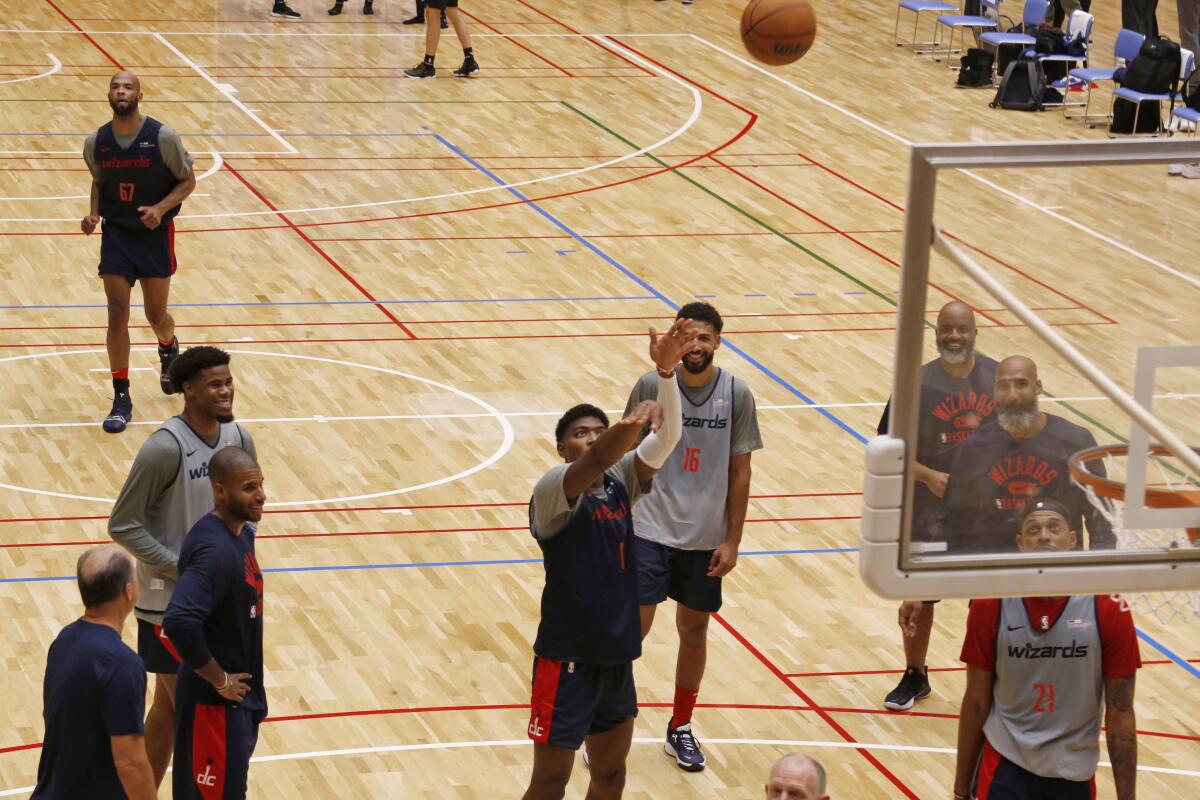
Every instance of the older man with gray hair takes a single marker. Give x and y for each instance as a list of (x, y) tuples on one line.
[(796, 777)]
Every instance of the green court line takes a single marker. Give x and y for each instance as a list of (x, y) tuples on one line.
[(798, 246)]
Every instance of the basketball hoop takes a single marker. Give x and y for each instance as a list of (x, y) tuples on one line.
[(1173, 490)]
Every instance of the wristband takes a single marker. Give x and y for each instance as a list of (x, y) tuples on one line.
[(224, 687)]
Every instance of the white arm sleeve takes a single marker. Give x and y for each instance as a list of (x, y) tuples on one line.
[(656, 448)]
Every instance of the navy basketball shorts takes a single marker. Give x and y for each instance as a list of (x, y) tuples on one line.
[(134, 254), (681, 575), (572, 700), (213, 745), (441, 4), (156, 650), (1001, 779)]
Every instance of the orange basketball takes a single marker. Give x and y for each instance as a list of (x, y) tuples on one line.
[(778, 31)]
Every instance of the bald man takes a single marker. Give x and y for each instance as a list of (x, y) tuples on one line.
[(1006, 466), (796, 777), (956, 399), (141, 174), (94, 693), (215, 620)]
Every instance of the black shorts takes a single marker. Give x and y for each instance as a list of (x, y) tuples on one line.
[(1001, 779), (572, 700), (681, 575), (137, 254), (156, 650), (213, 746), (441, 4)]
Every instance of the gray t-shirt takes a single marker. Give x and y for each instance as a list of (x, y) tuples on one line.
[(552, 512), (745, 437), (154, 469), (174, 154)]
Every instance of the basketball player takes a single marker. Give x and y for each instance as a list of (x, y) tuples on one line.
[(689, 530), (1040, 670), (94, 693), (166, 491), (796, 777), (215, 618), (433, 33), (588, 637), (956, 398), (1006, 466), (141, 174)]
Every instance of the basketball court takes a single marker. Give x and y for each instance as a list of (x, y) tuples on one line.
[(415, 278)]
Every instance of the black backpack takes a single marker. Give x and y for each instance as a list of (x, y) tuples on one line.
[(975, 71), (1191, 98), (1021, 87), (1155, 69), (1050, 41)]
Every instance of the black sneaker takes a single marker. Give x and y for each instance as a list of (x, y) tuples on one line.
[(368, 8), (445, 22), (415, 19), (913, 686), (684, 748), (166, 357), (469, 67), (421, 70), (121, 414), (337, 8), (283, 10)]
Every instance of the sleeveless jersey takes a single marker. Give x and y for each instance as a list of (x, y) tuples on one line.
[(687, 509), (1049, 692), (590, 602), (132, 176), (188, 498)]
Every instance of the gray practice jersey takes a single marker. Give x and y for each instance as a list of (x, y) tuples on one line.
[(1049, 692), (688, 510), (550, 512), (166, 492), (174, 154)]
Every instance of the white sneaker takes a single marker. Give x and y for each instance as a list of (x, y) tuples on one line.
[(1191, 171), (1176, 169)]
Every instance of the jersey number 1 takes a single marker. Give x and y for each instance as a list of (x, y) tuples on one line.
[(1045, 698), (691, 459)]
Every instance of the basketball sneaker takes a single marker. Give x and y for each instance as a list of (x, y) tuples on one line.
[(913, 686), (166, 357), (421, 70), (369, 8), (284, 11), (415, 19), (469, 67), (683, 747), (121, 414), (336, 9)]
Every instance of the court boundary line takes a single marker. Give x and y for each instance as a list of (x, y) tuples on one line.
[(55, 66)]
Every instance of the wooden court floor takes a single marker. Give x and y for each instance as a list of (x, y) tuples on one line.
[(417, 277)]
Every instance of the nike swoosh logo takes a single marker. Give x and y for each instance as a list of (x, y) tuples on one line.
[(189, 455), (1017, 628)]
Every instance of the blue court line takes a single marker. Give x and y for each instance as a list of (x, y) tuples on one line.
[(1191, 668), (431, 564), (645, 285), (462, 300)]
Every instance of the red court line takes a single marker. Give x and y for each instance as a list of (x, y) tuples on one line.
[(507, 38), (75, 25), (984, 253), (829, 720), (319, 249), (601, 45), (518, 237), (853, 673), (341, 534), (835, 229), (423, 169), (378, 23)]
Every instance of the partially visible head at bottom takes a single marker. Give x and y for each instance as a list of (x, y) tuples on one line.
[(796, 777)]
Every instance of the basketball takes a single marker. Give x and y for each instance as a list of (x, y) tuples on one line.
[(778, 32)]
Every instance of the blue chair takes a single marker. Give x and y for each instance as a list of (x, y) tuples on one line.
[(1187, 60), (962, 22), (1033, 16), (1126, 48), (918, 7)]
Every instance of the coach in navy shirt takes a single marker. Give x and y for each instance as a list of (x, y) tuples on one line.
[(215, 620), (94, 694)]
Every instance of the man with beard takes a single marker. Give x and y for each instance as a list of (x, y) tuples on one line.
[(956, 398), (689, 530), (216, 619), (1040, 672), (1006, 466), (166, 491), (141, 174)]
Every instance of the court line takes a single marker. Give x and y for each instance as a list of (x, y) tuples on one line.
[(320, 251), (508, 38), (208, 173), (78, 29), (55, 66), (408, 301), (864, 672), (227, 91), (1179, 660)]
